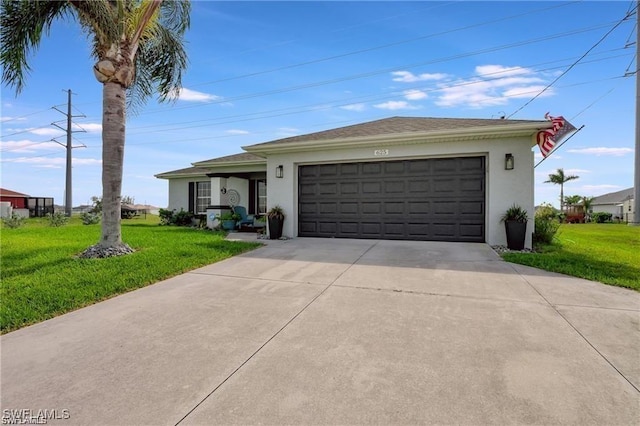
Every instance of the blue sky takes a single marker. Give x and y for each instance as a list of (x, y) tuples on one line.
[(260, 71)]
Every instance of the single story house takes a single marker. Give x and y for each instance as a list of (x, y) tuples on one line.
[(620, 204), (410, 178)]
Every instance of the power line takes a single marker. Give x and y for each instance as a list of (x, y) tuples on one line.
[(379, 47), (383, 71), (629, 14)]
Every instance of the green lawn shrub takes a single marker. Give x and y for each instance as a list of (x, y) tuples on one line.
[(170, 217), (601, 217), (57, 219), (14, 221), (90, 218)]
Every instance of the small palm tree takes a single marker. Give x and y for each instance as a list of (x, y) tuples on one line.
[(559, 178), (587, 203), (138, 48), (572, 200)]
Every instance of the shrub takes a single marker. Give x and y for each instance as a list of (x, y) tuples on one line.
[(14, 221), (166, 216), (90, 218), (57, 219), (183, 218), (545, 229), (546, 211), (601, 217), (170, 217)]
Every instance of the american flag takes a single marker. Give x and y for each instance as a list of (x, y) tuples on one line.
[(547, 138)]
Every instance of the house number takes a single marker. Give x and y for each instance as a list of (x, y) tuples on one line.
[(380, 152)]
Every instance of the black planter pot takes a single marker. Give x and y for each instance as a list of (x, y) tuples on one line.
[(516, 234), (275, 228)]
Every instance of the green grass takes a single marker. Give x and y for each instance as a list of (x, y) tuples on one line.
[(608, 253), (41, 277)]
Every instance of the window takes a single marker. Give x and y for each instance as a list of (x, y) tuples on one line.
[(203, 197), (262, 196)]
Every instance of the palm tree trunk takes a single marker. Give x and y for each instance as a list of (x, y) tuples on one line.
[(113, 138), (561, 197)]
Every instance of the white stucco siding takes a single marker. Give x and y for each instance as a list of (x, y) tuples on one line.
[(503, 187), (179, 193), (240, 185)]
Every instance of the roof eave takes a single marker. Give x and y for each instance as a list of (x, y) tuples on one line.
[(229, 163)]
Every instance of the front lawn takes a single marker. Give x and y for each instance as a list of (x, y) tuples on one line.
[(41, 277), (608, 253)]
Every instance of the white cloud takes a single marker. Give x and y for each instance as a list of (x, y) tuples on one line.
[(492, 85), (395, 105), (194, 96), (26, 146), (599, 151), (354, 107), (237, 132), (414, 94), (52, 162), (575, 171), (48, 131), (89, 127), (527, 92), (6, 119), (600, 188), (409, 77)]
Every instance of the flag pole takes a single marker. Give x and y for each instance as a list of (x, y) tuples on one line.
[(559, 145)]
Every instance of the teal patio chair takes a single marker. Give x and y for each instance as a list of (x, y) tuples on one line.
[(245, 219)]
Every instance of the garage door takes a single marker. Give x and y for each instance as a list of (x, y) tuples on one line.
[(440, 199)]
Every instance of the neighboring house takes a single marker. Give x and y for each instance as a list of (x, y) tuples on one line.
[(37, 206), (410, 178), (18, 200), (620, 204)]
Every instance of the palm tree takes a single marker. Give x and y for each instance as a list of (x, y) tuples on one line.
[(587, 202), (572, 200), (559, 178), (138, 48)]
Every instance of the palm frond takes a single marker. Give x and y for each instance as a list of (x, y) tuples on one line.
[(161, 59), (22, 26), (99, 19)]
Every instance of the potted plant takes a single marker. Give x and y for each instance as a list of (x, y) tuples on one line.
[(275, 217), (515, 224), (228, 220)]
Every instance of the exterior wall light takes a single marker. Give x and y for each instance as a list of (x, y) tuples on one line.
[(280, 172), (508, 161)]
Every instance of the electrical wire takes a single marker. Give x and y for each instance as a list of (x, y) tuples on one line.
[(572, 65)]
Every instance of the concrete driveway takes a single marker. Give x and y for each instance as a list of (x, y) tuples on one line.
[(319, 331)]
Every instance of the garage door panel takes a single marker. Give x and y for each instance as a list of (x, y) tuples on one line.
[(431, 199), (349, 169), (349, 188), (349, 208), (394, 208), (471, 231), (471, 185), (471, 208), (419, 186), (371, 168), (394, 186)]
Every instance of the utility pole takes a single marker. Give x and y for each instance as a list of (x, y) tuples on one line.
[(68, 199), (636, 181)]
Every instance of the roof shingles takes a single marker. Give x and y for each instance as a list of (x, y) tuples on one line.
[(398, 125)]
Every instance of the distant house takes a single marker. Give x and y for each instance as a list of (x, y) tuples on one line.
[(620, 204), (18, 200), (407, 178), (37, 206)]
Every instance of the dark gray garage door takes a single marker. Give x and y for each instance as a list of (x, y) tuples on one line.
[(439, 199)]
